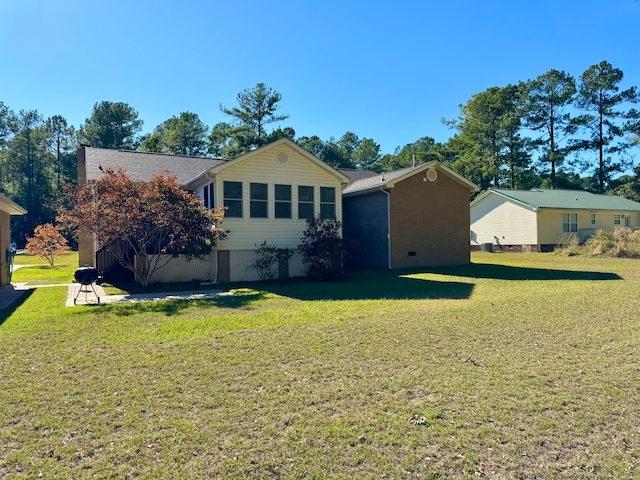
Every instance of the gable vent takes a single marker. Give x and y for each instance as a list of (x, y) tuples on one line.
[(282, 157)]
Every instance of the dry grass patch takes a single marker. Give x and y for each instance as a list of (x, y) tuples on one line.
[(520, 366)]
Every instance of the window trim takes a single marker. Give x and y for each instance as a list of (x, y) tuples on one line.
[(325, 203), (307, 202), (258, 201), (277, 201), (570, 223), (233, 199)]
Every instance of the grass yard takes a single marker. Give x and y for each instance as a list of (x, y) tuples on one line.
[(518, 366), (39, 272)]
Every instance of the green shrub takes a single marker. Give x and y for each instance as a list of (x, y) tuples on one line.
[(323, 249), (267, 261)]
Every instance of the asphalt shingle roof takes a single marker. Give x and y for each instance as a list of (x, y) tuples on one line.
[(141, 166), (569, 199), (365, 179)]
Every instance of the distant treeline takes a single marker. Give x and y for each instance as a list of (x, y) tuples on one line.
[(550, 132)]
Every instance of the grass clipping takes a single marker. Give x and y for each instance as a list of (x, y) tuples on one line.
[(621, 243)]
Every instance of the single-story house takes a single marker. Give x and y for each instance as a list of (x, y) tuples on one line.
[(269, 194), (7, 208), (412, 217), (540, 219)]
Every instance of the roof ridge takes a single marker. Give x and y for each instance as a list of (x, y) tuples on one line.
[(121, 150)]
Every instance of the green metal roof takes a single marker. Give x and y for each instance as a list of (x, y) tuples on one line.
[(567, 199)]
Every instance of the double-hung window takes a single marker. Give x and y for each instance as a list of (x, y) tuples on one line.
[(593, 219), (259, 200), (327, 202), (233, 199), (283, 201), (569, 222), (207, 194), (616, 219), (305, 202)]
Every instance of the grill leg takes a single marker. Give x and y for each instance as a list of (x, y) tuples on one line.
[(86, 291)]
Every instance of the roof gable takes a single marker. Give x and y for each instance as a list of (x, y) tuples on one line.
[(364, 183), (562, 199), (278, 144)]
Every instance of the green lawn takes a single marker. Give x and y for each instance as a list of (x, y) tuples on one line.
[(518, 366), (39, 272)]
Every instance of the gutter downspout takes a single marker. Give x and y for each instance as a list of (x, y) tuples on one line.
[(388, 223)]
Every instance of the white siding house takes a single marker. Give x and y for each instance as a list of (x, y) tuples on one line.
[(539, 220), (269, 193)]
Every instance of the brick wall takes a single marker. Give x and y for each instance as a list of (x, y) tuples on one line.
[(429, 222)]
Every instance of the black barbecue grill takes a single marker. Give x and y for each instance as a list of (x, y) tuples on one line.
[(86, 277)]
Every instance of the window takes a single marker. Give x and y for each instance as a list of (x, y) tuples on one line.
[(593, 219), (283, 201), (233, 199), (327, 202), (258, 200), (305, 202), (569, 222), (207, 196), (616, 219)]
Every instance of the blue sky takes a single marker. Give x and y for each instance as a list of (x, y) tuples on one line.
[(385, 70)]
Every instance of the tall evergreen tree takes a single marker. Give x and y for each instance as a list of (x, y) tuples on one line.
[(608, 122), (547, 103), (112, 125), (27, 171), (63, 146), (183, 135), (257, 108)]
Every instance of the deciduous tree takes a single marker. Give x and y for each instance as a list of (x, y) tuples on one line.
[(47, 242), (154, 220)]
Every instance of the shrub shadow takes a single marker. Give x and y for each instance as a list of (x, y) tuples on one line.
[(370, 285), (172, 306), (503, 272)]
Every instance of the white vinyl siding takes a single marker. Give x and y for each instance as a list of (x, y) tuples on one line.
[(245, 233), (500, 222)]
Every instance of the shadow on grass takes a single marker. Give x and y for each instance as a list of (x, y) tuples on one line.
[(503, 272), (5, 313), (171, 307), (370, 285)]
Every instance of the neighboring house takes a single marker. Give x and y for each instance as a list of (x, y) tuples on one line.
[(413, 217), (539, 220), (7, 208), (269, 193)]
